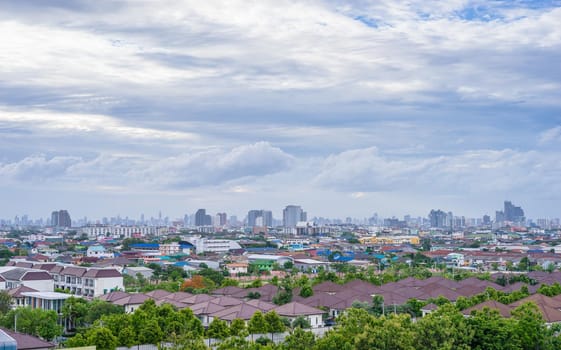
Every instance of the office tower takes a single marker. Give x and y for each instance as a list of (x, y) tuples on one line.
[(202, 219), (513, 213), (61, 218), (438, 219), (259, 218), (292, 214), (222, 219)]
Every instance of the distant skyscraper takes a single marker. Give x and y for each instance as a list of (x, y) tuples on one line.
[(438, 219), (292, 214), (202, 219), (222, 219), (513, 213), (259, 218), (61, 218)]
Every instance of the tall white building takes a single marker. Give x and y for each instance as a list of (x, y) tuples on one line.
[(293, 214)]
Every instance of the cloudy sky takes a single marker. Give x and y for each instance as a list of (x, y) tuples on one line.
[(344, 107)]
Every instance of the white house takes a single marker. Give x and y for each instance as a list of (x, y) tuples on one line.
[(36, 279), (99, 251)]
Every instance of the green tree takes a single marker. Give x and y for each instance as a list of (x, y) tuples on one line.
[(299, 339), (274, 323), (492, 331), (5, 302), (76, 341), (333, 340), (301, 322), (238, 328), (218, 329), (37, 322), (530, 326), (306, 291), (444, 329), (127, 337), (74, 310), (102, 338), (257, 324), (150, 333), (395, 332)]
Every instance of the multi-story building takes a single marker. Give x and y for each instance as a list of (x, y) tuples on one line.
[(118, 231), (202, 218), (61, 218), (83, 281), (262, 218), (13, 277), (212, 245), (293, 214)]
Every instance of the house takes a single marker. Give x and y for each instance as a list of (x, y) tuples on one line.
[(99, 251), (89, 282), (132, 301), (237, 268), (294, 310), (310, 265), (36, 279)]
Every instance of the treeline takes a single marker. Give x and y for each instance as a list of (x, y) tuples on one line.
[(445, 328)]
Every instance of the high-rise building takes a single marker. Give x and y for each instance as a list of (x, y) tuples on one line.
[(438, 219), (222, 219), (513, 213), (202, 219), (259, 218), (292, 214), (61, 218)]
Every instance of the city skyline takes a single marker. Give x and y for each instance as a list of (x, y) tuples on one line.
[(343, 108)]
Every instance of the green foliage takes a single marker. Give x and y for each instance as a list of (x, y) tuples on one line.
[(274, 322), (306, 291), (238, 328), (102, 338), (218, 329), (5, 302), (257, 324), (301, 322), (37, 322), (299, 339)]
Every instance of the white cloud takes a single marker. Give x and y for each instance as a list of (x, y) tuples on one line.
[(37, 168), (478, 171), (550, 135), (61, 123)]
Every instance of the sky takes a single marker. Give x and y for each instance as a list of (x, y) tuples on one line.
[(346, 108)]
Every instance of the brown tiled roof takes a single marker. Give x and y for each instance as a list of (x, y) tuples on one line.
[(539, 299), (197, 298), (205, 308), (230, 290), (328, 287), (113, 296), (503, 309), (16, 292), (242, 311), (294, 309), (321, 299), (158, 294), (178, 296), (226, 301), (132, 299), (102, 273), (28, 342), (37, 276), (27, 265), (262, 305), (73, 271)]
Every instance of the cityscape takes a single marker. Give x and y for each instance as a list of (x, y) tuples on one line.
[(280, 175)]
